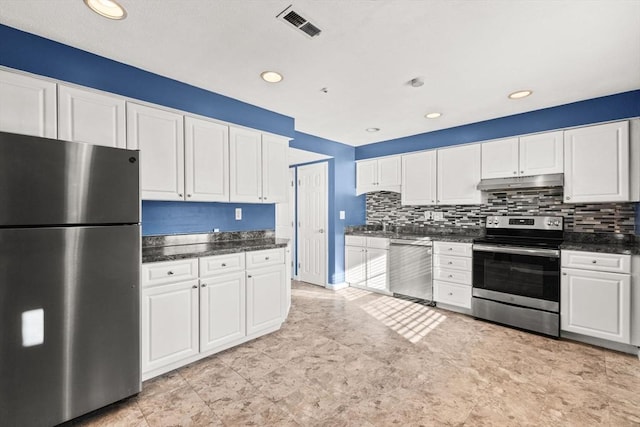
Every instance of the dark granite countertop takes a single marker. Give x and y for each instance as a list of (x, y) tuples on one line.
[(612, 243), (443, 234), (174, 247)]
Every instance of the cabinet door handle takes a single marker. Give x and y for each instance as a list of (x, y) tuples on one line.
[(450, 249), (169, 273), (224, 265), (564, 274), (204, 285), (594, 261), (515, 172), (195, 286), (266, 258), (451, 275), (450, 293), (567, 198), (188, 195), (521, 171), (249, 276), (180, 195), (264, 198)]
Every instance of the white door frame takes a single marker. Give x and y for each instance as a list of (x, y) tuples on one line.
[(324, 167)]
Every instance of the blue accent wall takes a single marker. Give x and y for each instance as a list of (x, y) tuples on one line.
[(196, 217), (34, 54), (342, 195), (614, 107)]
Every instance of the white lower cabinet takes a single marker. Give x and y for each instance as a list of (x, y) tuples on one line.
[(222, 301), (266, 292), (366, 262), (593, 301), (452, 264), (170, 324), (197, 307)]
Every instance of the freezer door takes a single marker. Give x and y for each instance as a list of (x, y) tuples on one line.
[(50, 182), (69, 316)]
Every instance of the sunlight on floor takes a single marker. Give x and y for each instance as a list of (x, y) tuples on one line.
[(352, 294), (412, 321)]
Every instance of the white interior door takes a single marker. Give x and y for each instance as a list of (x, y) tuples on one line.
[(312, 223)]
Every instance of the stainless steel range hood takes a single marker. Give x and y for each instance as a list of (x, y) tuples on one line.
[(534, 181)]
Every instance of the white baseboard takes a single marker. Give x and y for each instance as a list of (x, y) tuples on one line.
[(336, 286)]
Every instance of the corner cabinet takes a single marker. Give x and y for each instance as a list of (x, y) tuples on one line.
[(595, 295), (458, 175), (597, 164), (159, 136), (27, 105), (383, 174), (92, 117), (259, 167)]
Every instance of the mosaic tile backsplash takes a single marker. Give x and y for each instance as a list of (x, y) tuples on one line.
[(385, 206)]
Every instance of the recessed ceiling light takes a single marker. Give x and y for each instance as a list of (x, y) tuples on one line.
[(271, 76), (372, 129), (433, 115), (107, 8), (520, 94)]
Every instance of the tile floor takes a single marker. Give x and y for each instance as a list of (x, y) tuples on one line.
[(353, 358)]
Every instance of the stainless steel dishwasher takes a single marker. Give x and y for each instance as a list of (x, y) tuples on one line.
[(410, 270)]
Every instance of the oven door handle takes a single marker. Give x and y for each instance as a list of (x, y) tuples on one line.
[(553, 253)]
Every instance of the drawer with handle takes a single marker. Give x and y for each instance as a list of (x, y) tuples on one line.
[(455, 276), (158, 273), (455, 262), (453, 294), (452, 248), (217, 264), (265, 257), (612, 263)]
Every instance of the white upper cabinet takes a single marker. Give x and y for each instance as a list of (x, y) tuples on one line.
[(419, 178), (275, 169), (245, 165), (500, 158), (27, 105), (596, 163), (458, 175), (542, 154), (259, 167), (206, 148), (528, 155), (383, 174), (92, 117), (158, 134)]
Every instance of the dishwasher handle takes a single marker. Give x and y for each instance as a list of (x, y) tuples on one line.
[(408, 242)]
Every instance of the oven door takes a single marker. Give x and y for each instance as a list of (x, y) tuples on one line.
[(528, 277)]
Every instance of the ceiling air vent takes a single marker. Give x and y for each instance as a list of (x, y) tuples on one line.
[(291, 17)]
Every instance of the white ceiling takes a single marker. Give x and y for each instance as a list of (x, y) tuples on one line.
[(471, 54)]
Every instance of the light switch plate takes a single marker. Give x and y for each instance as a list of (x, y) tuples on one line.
[(342, 215), (238, 213)]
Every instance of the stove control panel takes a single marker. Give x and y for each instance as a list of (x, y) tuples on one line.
[(525, 222)]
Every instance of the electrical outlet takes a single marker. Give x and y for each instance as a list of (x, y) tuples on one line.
[(238, 214), (428, 215), (216, 230)]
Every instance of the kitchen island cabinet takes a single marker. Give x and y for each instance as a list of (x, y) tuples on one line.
[(196, 307)]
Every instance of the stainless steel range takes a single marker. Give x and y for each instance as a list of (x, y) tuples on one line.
[(516, 273)]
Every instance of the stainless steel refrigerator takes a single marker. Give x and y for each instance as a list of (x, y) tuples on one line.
[(69, 279)]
